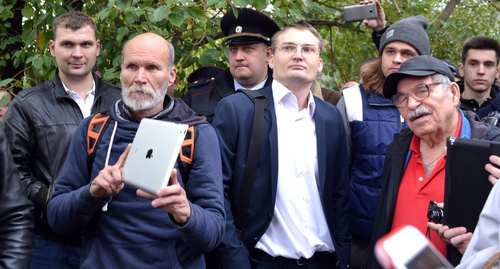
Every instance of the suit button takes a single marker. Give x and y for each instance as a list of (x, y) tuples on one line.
[(268, 216)]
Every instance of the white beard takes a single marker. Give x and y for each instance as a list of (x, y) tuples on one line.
[(147, 99)]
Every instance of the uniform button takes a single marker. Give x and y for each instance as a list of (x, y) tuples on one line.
[(420, 178)]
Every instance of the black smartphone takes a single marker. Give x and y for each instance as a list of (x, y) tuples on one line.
[(360, 12)]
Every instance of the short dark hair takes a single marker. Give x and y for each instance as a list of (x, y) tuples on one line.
[(73, 20), (301, 25), (480, 43)]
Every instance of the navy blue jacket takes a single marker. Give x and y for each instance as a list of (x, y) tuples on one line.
[(233, 123), (131, 233), (368, 137)]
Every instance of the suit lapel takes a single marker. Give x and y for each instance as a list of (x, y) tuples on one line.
[(270, 116), (320, 123)]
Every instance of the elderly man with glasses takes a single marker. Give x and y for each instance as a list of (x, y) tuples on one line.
[(428, 99)]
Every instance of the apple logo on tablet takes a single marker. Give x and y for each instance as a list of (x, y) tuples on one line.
[(149, 155)]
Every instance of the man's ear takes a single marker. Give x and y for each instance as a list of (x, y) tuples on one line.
[(52, 45), (269, 54), (461, 69), (455, 91)]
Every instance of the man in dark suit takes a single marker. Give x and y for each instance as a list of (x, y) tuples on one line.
[(298, 209)]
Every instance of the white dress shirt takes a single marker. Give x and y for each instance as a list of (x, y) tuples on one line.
[(85, 105), (298, 227)]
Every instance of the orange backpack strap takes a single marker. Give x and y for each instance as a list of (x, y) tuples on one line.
[(97, 126), (185, 161), (187, 149)]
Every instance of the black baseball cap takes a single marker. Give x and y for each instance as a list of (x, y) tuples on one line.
[(249, 27), (420, 66)]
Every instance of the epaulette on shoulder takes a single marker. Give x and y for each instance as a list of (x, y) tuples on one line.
[(200, 83)]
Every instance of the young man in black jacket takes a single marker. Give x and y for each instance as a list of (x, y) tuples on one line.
[(40, 124)]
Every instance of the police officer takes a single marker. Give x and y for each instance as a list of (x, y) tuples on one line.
[(248, 37)]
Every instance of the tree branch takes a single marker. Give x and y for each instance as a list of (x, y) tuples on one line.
[(445, 15)]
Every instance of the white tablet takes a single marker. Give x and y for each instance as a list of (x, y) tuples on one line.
[(153, 154)]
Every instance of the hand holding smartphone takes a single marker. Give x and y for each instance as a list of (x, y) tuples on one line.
[(407, 248), (360, 12)]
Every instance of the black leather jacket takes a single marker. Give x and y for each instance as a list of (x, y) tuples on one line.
[(39, 126), (204, 95), (16, 219)]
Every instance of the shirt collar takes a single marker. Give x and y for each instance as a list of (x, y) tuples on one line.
[(280, 92), (68, 91)]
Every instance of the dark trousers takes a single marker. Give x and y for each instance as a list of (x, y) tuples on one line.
[(360, 251), (320, 260), (54, 255)]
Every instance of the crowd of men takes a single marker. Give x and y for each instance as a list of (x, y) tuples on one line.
[(284, 174)]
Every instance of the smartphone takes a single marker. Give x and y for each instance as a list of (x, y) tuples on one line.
[(408, 248), (360, 12)]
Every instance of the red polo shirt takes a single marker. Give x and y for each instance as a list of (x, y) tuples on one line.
[(416, 191)]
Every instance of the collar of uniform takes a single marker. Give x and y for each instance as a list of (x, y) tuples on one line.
[(238, 86)]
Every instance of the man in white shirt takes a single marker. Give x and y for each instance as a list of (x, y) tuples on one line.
[(297, 214)]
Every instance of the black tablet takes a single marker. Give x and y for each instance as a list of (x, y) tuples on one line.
[(466, 185)]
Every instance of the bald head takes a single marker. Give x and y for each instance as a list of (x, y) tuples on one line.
[(147, 72), (151, 42)]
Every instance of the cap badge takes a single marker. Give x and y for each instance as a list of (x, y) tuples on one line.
[(238, 29)]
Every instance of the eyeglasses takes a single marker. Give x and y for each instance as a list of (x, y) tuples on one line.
[(419, 93), (291, 49)]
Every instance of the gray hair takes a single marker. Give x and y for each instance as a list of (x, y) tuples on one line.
[(439, 78)]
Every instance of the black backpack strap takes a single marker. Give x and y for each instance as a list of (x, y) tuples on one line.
[(261, 102), (95, 131), (185, 159)]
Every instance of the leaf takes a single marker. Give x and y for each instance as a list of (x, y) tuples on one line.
[(432, 29), (5, 100), (212, 2), (28, 36), (122, 31), (123, 4), (103, 14), (27, 12), (260, 4), (40, 41), (161, 13), (196, 13), (6, 82), (176, 18)]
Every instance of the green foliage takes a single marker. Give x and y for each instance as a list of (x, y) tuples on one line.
[(4, 101), (193, 28)]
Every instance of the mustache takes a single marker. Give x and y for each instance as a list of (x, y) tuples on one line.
[(145, 91), (419, 111)]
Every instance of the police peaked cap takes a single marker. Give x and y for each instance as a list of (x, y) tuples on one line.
[(249, 27), (208, 71)]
